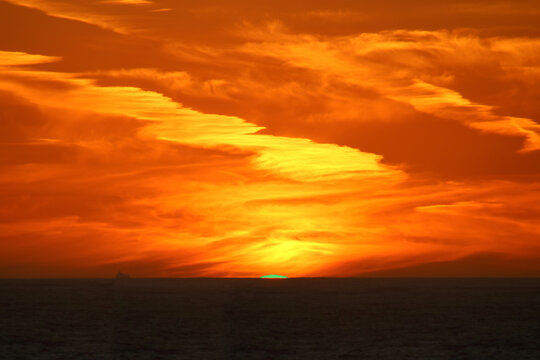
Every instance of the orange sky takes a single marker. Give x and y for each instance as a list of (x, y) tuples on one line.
[(303, 138)]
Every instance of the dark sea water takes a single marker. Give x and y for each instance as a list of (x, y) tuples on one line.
[(270, 319)]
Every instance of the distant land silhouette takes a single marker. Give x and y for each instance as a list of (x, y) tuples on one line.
[(121, 275)]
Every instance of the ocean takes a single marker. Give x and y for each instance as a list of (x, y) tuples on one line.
[(270, 319)]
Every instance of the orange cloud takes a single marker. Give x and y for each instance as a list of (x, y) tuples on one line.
[(252, 145), (350, 59)]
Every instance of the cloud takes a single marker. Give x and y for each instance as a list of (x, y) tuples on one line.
[(70, 12), (171, 122), (10, 58), (232, 141), (480, 265), (351, 60), (369, 114), (153, 117), (127, 2)]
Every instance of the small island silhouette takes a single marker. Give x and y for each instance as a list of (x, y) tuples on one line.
[(121, 275)]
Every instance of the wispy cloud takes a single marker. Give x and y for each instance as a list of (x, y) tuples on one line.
[(127, 2), (405, 61)]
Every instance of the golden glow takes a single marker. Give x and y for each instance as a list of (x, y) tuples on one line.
[(174, 139)]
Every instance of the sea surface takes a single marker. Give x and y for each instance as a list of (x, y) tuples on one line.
[(304, 318)]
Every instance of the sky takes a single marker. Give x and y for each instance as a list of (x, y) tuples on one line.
[(168, 138)]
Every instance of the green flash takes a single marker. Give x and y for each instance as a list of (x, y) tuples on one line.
[(274, 277)]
